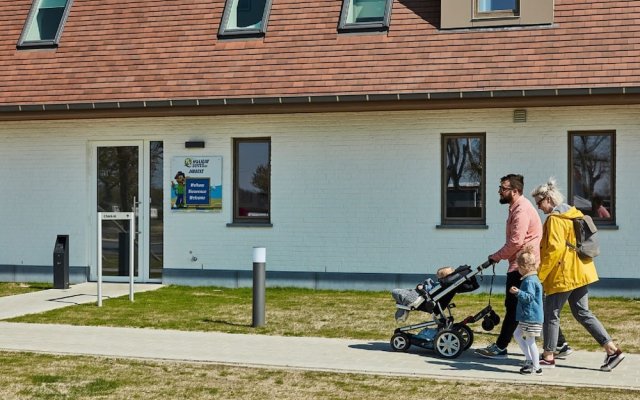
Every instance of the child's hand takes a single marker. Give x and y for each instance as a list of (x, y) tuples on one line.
[(513, 290)]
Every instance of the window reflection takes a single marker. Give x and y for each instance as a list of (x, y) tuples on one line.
[(252, 179), (244, 15), (463, 178), (592, 174), (497, 5)]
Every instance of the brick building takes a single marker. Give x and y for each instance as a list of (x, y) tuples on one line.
[(359, 141)]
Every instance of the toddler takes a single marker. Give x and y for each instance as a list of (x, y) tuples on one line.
[(529, 312)]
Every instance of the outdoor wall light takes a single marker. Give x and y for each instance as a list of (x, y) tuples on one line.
[(194, 145)]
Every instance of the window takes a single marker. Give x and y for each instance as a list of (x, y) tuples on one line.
[(44, 23), (365, 15), (463, 180), (592, 174), (496, 8), (457, 14), (252, 180), (245, 18)]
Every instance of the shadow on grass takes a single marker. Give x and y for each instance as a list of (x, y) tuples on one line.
[(217, 321)]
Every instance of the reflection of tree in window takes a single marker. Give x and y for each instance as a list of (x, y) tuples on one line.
[(253, 178), (261, 179), (463, 161), (117, 177), (591, 163), (592, 160), (463, 177)]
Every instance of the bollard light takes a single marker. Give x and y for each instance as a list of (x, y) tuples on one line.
[(259, 255), (259, 263)]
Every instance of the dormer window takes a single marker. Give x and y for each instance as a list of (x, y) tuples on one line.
[(44, 23), (496, 8), (245, 18), (463, 14), (365, 15)]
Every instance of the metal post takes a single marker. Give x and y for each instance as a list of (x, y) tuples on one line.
[(132, 228), (259, 263), (132, 240), (99, 259)]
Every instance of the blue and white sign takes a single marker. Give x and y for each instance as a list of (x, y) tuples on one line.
[(196, 183)]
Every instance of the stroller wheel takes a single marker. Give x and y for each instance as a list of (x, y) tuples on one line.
[(487, 323), (448, 344), (466, 334), (400, 342)]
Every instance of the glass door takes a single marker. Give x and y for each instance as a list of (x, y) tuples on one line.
[(118, 189), (128, 176), (156, 212)]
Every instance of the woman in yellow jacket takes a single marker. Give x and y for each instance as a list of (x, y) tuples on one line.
[(565, 276)]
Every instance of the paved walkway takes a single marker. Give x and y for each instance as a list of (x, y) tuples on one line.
[(308, 353)]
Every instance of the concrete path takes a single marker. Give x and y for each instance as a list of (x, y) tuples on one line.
[(308, 353), (50, 299)]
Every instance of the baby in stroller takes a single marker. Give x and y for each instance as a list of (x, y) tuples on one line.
[(439, 332), (411, 299)]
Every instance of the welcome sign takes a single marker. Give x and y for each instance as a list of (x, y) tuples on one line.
[(196, 183)]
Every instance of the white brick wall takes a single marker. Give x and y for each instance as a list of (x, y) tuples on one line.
[(351, 192)]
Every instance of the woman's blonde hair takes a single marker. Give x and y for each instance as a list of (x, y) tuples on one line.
[(527, 259), (549, 190)]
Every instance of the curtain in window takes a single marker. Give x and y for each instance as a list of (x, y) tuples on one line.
[(246, 14)]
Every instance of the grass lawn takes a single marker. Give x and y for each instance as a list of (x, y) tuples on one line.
[(38, 376), (13, 288), (289, 312), (322, 313)]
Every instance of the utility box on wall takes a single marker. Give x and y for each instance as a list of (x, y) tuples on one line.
[(61, 262)]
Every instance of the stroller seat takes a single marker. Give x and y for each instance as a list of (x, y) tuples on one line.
[(421, 298), (440, 332)]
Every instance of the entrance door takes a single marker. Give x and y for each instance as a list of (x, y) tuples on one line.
[(128, 177)]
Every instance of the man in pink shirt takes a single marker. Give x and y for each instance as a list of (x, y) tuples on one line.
[(523, 227)]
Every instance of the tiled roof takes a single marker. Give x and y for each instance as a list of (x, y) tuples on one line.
[(115, 51)]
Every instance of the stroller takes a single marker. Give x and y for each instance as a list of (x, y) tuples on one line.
[(441, 334)]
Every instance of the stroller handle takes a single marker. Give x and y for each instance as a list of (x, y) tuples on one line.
[(486, 264)]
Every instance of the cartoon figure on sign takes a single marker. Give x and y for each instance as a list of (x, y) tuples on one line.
[(178, 188)]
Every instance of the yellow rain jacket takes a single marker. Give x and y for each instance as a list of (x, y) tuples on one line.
[(561, 269)]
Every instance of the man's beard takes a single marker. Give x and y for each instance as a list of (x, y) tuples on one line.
[(506, 199)]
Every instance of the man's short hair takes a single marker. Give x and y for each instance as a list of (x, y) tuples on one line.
[(516, 181)]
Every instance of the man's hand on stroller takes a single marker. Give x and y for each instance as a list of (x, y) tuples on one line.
[(490, 261)]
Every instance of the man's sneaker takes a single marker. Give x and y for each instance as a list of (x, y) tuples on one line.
[(528, 370), (547, 363), (563, 351), (492, 351), (612, 360)]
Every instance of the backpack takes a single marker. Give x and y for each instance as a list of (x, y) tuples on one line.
[(587, 242)]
